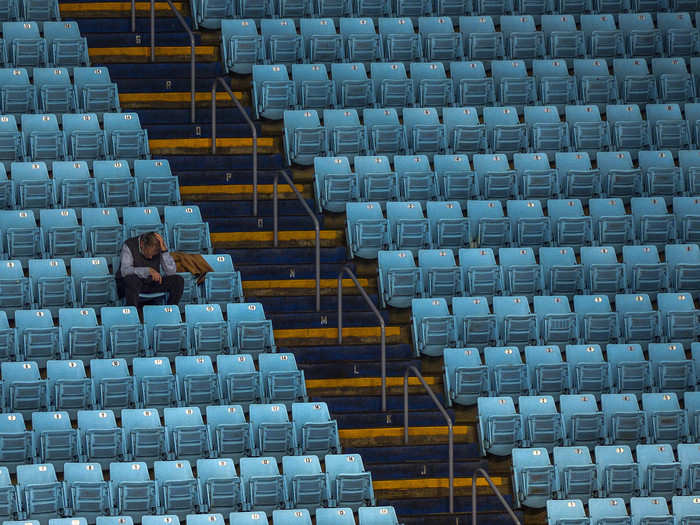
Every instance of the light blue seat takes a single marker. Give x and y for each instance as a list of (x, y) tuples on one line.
[(335, 516), (648, 509), (688, 458), (334, 183), (146, 439), (241, 45), (360, 39), (687, 211), (597, 321), (625, 423), (63, 236), (249, 330), (32, 185), (500, 427), (534, 477), (672, 372), (366, 229), (187, 433), (42, 496), (513, 85), (264, 486), (424, 132), (321, 41), (635, 84), (675, 84), (350, 484), (23, 389), (353, 88), (55, 92), (629, 369), (521, 39), (442, 276), (577, 476), (23, 45), (508, 375), (113, 385), (481, 275), (400, 280), (392, 88), (521, 274), (219, 486), (10, 10), (138, 221), (603, 39), (95, 92), (504, 131), (230, 433), (185, 229), (481, 40), (516, 324), (577, 178), (103, 233), (431, 86), (178, 490), (570, 511), (638, 322), (87, 492), (495, 179), (377, 516), (476, 326), (313, 88), (8, 340), (198, 384), (55, 440), (440, 41), (642, 38), (385, 136), (41, 10), (346, 136), (448, 227), (681, 260), (39, 340), (562, 275), (466, 378), (588, 132), (563, 39), (556, 323), (157, 186), (684, 508), (666, 421), (432, 326), (125, 136), (645, 271), (17, 447), (282, 380), (415, 179), (464, 132), (536, 180), (273, 91), (590, 373), (124, 331), (83, 137), (679, 317), (12, 148), (605, 511), (307, 488), (548, 133), (101, 440), (549, 374), (209, 13), (627, 129), (618, 474), (585, 423), (544, 425), (73, 186), (408, 227), (18, 95), (70, 390), (661, 176), (166, 334), (470, 85), (612, 226), (304, 137), (316, 432), (115, 185), (155, 382), (669, 129), (16, 291), (529, 225), (679, 35), (401, 42), (133, 491), (272, 432), (282, 43), (11, 504), (223, 285), (248, 518), (94, 285), (659, 472)]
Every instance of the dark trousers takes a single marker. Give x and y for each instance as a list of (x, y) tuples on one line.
[(132, 286)]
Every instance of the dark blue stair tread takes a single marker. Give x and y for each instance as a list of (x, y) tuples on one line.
[(166, 70), (306, 271), (196, 131), (356, 404), (123, 25), (284, 255), (392, 419), (155, 84), (307, 303), (352, 353), (433, 452), (460, 519), (321, 320), (129, 39), (353, 370), (223, 162), (224, 115), (408, 506), (254, 224), (241, 208), (396, 471)]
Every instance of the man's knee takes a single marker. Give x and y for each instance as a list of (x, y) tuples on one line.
[(176, 282)]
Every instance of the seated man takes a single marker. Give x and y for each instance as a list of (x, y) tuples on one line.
[(143, 258)]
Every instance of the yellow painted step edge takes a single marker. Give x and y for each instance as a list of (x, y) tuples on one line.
[(115, 6), (175, 96), (265, 189), (143, 51), (206, 143), (326, 235), (360, 433), (432, 483), (364, 382), (298, 283), (352, 331)]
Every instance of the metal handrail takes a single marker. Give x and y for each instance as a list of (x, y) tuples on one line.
[(317, 226), (192, 48), (253, 132), (450, 430), (480, 472), (346, 270), (133, 16)]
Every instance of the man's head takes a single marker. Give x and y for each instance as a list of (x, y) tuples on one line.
[(149, 245)]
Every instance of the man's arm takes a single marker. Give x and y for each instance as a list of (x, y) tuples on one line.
[(127, 265), (167, 263)]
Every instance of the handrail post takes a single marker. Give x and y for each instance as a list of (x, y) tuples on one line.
[(153, 31), (133, 16), (317, 227), (480, 472), (382, 325), (253, 132), (450, 430)]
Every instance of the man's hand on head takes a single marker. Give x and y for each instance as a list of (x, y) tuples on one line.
[(163, 247)]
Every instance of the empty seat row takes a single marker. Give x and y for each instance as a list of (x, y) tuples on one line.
[(513, 323), (174, 489), (22, 45), (684, 508), (78, 138), (656, 476), (39, 10)]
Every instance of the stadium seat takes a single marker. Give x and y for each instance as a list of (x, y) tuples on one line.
[(219, 485), (544, 425), (87, 492), (250, 332), (577, 178), (563, 40), (667, 422), (440, 41), (597, 321), (115, 185), (282, 43), (54, 89), (476, 326), (17, 447), (346, 136), (39, 340), (391, 86), (230, 432), (590, 373), (471, 86), (241, 45), (101, 440), (304, 137), (124, 331), (508, 375), (282, 380), (481, 40), (55, 440), (464, 132), (23, 45), (334, 183), (157, 186), (113, 385), (385, 136), (353, 88), (529, 225), (645, 271), (628, 131), (660, 474), (321, 41), (495, 178), (648, 509), (185, 229), (570, 227), (577, 474), (522, 41), (317, 433), (272, 431), (155, 382), (680, 320), (424, 132), (642, 38), (488, 225), (433, 328), (555, 87), (448, 227), (401, 42), (264, 487), (661, 176), (400, 280), (684, 507), (481, 275), (23, 389), (32, 185), (103, 233), (73, 186), (549, 374), (638, 322), (146, 439), (683, 267), (630, 371), (566, 511), (366, 229), (611, 224), (635, 84), (408, 227), (669, 129), (466, 378), (273, 91), (178, 490), (166, 334), (350, 484), (585, 425), (12, 148), (18, 95), (441, 275), (521, 274), (16, 290), (534, 477), (675, 84), (133, 491), (307, 487), (672, 372), (608, 510), (69, 388), (187, 433), (617, 472), (313, 88), (376, 516), (548, 133), (504, 131), (360, 38), (248, 518), (513, 85), (500, 428), (138, 221), (535, 178), (687, 210), (603, 39), (41, 494), (125, 136), (63, 237), (556, 323), (588, 132), (626, 424)]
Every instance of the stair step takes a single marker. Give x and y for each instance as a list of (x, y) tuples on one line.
[(194, 131), (261, 224), (224, 115), (178, 161), (333, 371), (488, 506), (334, 254), (202, 146), (127, 38), (242, 208), (292, 271), (352, 353), (315, 336), (320, 320), (372, 404), (459, 518), (140, 53), (403, 471), (81, 9), (413, 453), (122, 24), (263, 239)]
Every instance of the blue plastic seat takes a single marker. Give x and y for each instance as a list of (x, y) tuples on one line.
[(353, 88), (577, 476), (590, 373), (69, 388), (597, 322), (124, 331), (471, 86), (23, 389), (103, 233), (679, 317), (94, 285), (653, 222), (566, 511), (595, 84), (240, 382), (23, 45), (63, 237), (230, 432), (548, 133), (115, 185), (683, 267), (377, 516), (588, 132), (544, 425), (55, 92), (629, 369), (513, 85), (360, 39), (577, 178), (155, 382), (241, 45), (74, 188), (16, 290), (638, 322), (304, 137), (55, 440), (642, 38), (529, 226), (346, 136), (178, 490), (672, 372), (125, 136), (464, 132), (146, 438), (585, 426), (466, 378), (42, 496), (282, 380), (185, 229), (534, 477), (400, 280), (496, 181), (618, 474), (521, 274), (220, 486), (18, 95), (481, 40), (687, 210), (95, 92), (648, 509), (39, 340), (679, 36), (209, 13), (282, 43), (611, 225), (17, 447), (440, 41), (101, 440), (521, 39), (187, 433), (334, 183), (603, 39), (549, 374), (675, 84), (488, 225), (23, 238), (313, 88), (504, 131), (307, 486), (408, 227), (476, 325), (424, 132), (272, 431), (626, 424), (628, 131), (157, 185), (321, 41), (684, 508), (265, 488), (508, 375), (431, 86), (667, 422), (635, 84), (87, 492), (401, 42), (248, 518), (33, 188), (563, 40), (250, 331), (166, 334), (442, 276), (367, 231), (433, 328), (481, 274), (570, 227), (385, 136), (556, 323), (500, 428), (661, 176), (350, 484), (645, 271), (317, 433), (669, 129), (392, 88), (10, 10), (12, 148), (273, 91), (198, 384), (133, 491), (448, 227), (113, 385), (138, 221)]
